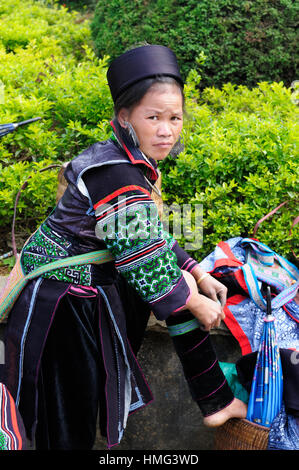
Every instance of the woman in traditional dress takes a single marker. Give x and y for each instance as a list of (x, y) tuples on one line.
[(74, 332)]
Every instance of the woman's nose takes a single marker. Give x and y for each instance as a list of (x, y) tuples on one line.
[(164, 129)]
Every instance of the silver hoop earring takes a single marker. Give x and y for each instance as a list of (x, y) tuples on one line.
[(177, 148), (132, 134)]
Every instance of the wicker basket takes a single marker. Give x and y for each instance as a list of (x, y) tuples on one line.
[(240, 434)]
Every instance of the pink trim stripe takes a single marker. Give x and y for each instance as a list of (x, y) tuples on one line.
[(198, 344), (187, 261), (204, 371), (106, 382), (212, 393), (193, 267), (181, 308)]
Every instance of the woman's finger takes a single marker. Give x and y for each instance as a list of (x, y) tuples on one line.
[(222, 297)]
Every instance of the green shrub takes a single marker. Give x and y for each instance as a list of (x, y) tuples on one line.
[(79, 5), (47, 69), (22, 22), (244, 42), (240, 162), (35, 200)]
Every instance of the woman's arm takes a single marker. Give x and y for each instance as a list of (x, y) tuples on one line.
[(127, 221), (208, 312), (208, 286)]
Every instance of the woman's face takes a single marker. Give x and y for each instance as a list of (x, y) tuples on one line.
[(157, 119)]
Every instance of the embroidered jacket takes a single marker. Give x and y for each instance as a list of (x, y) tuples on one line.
[(108, 204)]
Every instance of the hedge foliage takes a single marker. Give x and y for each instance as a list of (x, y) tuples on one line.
[(243, 42), (240, 158), (47, 69), (79, 5), (240, 162)]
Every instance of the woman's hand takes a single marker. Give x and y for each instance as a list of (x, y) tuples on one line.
[(208, 312), (210, 286)]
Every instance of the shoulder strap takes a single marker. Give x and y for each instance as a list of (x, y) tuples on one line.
[(255, 293), (263, 264)]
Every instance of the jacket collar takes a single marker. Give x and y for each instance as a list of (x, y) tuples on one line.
[(135, 155)]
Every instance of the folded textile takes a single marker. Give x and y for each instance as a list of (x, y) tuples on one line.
[(284, 432), (230, 371), (246, 266), (12, 431)]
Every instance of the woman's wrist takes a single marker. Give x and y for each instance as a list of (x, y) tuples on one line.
[(198, 273), (195, 302), (204, 276)]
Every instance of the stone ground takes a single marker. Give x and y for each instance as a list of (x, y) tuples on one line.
[(172, 421)]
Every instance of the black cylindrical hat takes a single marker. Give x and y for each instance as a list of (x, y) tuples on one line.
[(140, 63)]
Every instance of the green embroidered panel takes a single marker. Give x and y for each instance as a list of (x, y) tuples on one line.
[(46, 246), (142, 249), (3, 441)]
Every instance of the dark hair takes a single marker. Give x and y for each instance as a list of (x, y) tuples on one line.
[(134, 94)]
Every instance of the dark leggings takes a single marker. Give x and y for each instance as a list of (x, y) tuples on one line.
[(202, 371)]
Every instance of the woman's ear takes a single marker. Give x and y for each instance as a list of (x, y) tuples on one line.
[(122, 117)]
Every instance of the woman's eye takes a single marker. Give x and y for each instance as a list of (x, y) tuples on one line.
[(154, 118)]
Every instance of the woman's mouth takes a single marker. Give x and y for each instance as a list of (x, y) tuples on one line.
[(163, 144)]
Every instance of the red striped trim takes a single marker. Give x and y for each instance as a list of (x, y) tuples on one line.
[(125, 203), (226, 249), (5, 430), (234, 326), (225, 262), (15, 421), (120, 191), (129, 260)]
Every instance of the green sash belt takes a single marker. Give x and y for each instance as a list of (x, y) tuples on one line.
[(17, 279), (183, 328)]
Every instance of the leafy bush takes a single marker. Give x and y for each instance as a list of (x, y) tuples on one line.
[(244, 42), (47, 69), (240, 162), (80, 5), (240, 158), (24, 22)]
